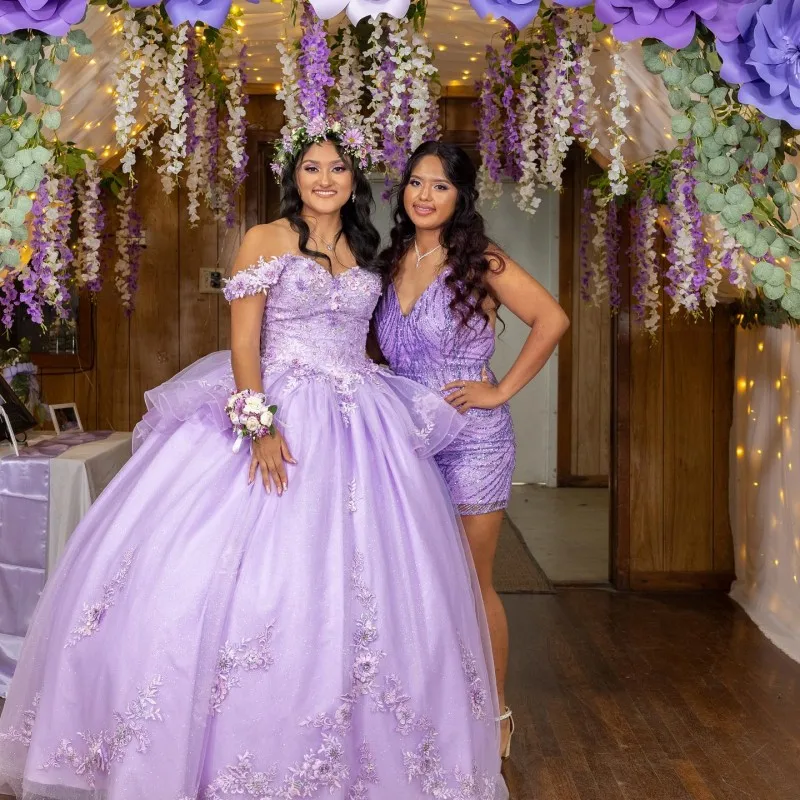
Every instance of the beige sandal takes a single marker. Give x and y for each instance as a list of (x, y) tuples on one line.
[(507, 715)]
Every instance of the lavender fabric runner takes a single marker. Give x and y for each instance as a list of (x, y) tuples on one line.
[(24, 516)]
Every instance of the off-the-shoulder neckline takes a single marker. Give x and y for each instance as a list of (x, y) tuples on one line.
[(302, 257)]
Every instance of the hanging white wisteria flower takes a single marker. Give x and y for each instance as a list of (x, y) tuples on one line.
[(379, 95), (525, 190), (559, 98), (350, 83), (424, 92), (91, 221), (197, 162), (288, 92), (130, 241), (127, 78), (598, 265), (586, 101), (173, 140), (617, 173)]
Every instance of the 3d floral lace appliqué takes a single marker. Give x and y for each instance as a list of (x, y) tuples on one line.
[(100, 750), (475, 690), (324, 767), (248, 655), (93, 614), (23, 734)]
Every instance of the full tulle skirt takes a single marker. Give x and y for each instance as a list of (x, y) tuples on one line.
[(202, 639)]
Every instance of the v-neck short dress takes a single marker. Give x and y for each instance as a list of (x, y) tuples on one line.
[(429, 344)]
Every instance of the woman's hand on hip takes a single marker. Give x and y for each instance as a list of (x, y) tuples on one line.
[(464, 395)]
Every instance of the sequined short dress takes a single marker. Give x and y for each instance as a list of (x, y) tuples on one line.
[(430, 345), (204, 640)]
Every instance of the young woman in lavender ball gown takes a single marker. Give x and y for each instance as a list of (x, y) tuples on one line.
[(435, 323), (293, 616)]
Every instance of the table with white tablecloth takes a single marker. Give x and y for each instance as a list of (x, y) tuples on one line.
[(42, 500)]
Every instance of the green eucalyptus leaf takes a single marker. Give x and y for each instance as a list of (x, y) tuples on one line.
[(12, 216), (739, 156), (24, 203), (781, 196), (25, 158), (6, 134), (745, 236), (716, 202), (53, 97), (62, 51), (761, 271), (718, 96), (681, 125), (29, 128), (51, 119), (731, 135), (791, 301), (785, 212), (775, 137), (5, 198), (703, 127), (672, 76), (773, 292), (46, 72), (749, 144), (758, 249), (654, 65), (746, 206), (17, 106), (769, 235), (9, 150), (702, 190), (714, 61), (736, 194), (5, 237), (788, 172), (710, 147), (703, 84), (19, 234), (731, 214), (41, 155), (678, 99), (779, 248), (760, 160), (777, 277), (769, 124), (10, 257)]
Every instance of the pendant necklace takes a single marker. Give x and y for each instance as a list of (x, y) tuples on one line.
[(420, 256)]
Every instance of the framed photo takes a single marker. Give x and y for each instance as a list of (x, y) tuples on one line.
[(65, 417)]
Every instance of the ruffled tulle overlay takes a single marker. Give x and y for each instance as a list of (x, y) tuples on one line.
[(204, 640)]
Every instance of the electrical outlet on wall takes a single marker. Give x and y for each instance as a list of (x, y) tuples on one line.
[(210, 280)]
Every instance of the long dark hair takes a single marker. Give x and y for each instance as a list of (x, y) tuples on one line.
[(357, 228), (463, 237)]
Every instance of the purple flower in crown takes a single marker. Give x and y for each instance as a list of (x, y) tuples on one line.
[(317, 128), (54, 17), (353, 139), (673, 22), (763, 59)]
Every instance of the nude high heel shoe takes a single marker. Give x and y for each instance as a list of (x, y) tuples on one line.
[(507, 715)]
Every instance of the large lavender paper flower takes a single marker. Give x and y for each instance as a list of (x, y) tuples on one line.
[(54, 17), (518, 12), (671, 21), (210, 12), (764, 59)]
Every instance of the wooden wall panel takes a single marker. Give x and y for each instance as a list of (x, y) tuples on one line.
[(671, 519), (155, 324), (584, 370)]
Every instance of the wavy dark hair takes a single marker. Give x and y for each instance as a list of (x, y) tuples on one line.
[(463, 236), (357, 228)]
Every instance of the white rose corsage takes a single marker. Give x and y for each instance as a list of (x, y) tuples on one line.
[(251, 416)]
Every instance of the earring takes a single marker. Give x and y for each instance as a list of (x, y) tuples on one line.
[(353, 197)]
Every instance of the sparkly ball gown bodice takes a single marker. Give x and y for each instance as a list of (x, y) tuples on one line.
[(204, 640)]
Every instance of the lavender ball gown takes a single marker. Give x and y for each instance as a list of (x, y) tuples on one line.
[(202, 640)]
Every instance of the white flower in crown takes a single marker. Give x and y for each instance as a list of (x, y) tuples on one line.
[(360, 9)]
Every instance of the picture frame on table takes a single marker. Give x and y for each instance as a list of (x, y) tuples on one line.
[(65, 417)]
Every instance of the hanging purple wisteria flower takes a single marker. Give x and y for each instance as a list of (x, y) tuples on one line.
[(315, 77)]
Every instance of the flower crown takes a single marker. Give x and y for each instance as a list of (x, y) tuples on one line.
[(351, 141)]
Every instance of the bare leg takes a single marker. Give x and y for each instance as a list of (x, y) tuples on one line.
[(483, 531)]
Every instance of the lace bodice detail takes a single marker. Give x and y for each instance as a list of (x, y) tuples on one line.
[(312, 318)]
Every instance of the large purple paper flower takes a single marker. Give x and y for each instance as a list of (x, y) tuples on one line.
[(764, 59), (210, 12), (54, 17), (518, 12), (671, 21)]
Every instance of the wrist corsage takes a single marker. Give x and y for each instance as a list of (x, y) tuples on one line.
[(250, 416)]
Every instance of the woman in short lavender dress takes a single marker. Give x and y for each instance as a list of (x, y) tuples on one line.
[(435, 324)]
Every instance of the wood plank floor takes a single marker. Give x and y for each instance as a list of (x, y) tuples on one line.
[(632, 697)]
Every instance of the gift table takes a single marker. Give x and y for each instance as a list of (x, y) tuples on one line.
[(43, 495)]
